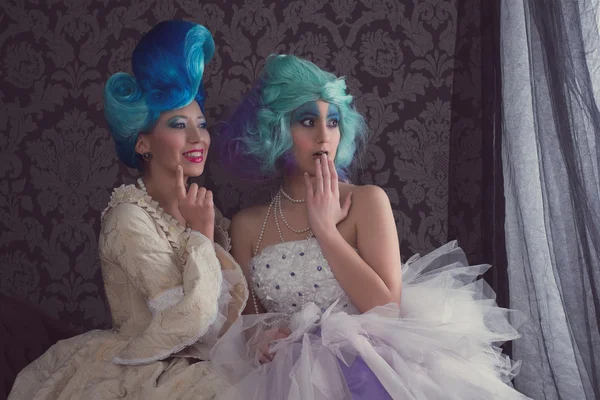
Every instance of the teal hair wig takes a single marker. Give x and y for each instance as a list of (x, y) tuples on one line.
[(257, 140), (168, 64)]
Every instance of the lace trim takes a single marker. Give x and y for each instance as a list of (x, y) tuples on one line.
[(122, 194), (222, 236), (221, 230), (243, 280), (166, 299), (133, 195), (184, 344), (169, 224)]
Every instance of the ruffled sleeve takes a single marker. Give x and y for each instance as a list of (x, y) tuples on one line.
[(181, 314)]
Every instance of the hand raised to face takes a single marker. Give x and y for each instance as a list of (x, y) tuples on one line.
[(196, 206), (323, 198)]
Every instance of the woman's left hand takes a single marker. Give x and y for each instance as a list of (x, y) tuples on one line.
[(263, 352), (323, 198)]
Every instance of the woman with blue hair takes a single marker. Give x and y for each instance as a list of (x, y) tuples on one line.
[(325, 319), (171, 285)]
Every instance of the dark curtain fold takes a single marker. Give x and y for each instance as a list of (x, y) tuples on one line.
[(475, 183)]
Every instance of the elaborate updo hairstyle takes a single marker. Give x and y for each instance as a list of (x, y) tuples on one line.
[(168, 64)]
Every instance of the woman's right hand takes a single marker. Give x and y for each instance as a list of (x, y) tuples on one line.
[(196, 206), (268, 336)]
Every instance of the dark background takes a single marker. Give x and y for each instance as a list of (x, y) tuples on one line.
[(421, 71)]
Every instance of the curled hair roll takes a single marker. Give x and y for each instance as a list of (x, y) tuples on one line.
[(168, 64)]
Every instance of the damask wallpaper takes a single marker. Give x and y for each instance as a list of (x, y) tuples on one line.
[(57, 162)]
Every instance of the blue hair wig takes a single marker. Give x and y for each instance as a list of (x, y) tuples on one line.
[(168, 64), (256, 140)]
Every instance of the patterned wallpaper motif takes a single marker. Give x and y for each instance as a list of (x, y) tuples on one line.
[(58, 166)]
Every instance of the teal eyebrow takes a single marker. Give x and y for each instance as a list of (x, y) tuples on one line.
[(332, 111), (308, 113)]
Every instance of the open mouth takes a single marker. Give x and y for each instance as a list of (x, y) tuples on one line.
[(195, 156), (320, 153)]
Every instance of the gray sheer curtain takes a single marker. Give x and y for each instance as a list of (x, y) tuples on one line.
[(551, 124)]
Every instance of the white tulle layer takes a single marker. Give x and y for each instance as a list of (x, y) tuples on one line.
[(441, 343)]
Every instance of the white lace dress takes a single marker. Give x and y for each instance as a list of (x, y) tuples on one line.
[(171, 294), (440, 344)]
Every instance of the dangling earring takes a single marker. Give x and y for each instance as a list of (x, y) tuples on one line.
[(147, 156)]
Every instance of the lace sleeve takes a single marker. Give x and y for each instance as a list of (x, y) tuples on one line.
[(181, 316)]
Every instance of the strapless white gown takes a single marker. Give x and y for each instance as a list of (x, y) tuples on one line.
[(441, 343)]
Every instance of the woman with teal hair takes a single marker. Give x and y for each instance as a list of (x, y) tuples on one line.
[(255, 141), (333, 314), (171, 285)]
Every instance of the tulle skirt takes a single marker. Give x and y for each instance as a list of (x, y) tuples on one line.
[(441, 343)]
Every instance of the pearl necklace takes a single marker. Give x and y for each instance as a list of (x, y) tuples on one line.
[(140, 183), (290, 198), (285, 222), (275, 204), (260, 237)]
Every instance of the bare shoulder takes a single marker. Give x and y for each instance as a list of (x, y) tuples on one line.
[(248, 217), (244, 230), (246, 224), (366, 195)]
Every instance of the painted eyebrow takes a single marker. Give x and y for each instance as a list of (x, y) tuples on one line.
[(303, 113), (332, 110), (184, 117)]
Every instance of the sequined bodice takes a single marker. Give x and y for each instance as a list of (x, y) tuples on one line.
[(286, 276)]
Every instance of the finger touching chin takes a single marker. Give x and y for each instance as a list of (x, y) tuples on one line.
[(193, 170)]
